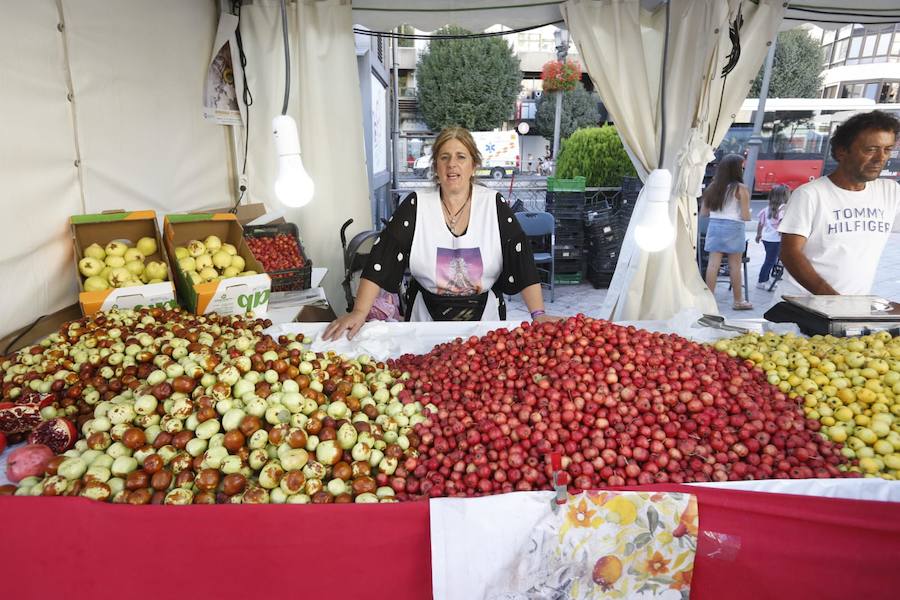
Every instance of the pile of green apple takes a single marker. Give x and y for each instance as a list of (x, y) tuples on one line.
[(210, 260), (118, 265)]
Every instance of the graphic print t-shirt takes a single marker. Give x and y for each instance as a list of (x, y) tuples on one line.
[(459, 271), (845, 231)]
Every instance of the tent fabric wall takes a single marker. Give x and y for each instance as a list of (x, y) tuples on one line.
[(133, 135), (326, 103), (659, 285), (37, 161), (134, 125)]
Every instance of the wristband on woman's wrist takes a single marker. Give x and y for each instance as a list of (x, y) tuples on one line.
[(537, 313)]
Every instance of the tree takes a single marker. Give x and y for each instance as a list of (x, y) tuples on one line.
[(472, 82), (579, 109), (796, 70), (596, 153)]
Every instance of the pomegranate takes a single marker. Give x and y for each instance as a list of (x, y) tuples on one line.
[(58, 434), (26, 461), (24, 413)]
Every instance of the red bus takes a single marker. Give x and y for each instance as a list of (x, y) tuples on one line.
[(796, 136)]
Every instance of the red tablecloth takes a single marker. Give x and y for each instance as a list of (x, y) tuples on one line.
[(752, 545)]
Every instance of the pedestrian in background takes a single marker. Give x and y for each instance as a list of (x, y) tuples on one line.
[(727, 203), (767, 224)]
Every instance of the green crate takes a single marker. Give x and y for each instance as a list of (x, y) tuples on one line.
[(576, 184), (568, 278)]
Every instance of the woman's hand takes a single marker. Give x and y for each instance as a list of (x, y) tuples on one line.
[(351, 323), (549, 319)]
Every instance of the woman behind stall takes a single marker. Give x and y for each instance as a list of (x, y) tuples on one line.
[(768, 221), (727, 203), (461, 243)]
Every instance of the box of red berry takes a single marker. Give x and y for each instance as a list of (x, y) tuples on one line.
[(277, 247)]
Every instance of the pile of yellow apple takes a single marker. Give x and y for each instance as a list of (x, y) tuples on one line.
[(851, 385), (210, 260), (118, 265)]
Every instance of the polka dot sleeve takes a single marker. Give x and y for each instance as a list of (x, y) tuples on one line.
[(389, 258), (519, 270)]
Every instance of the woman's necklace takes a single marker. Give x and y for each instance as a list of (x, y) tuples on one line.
[(453, 218)]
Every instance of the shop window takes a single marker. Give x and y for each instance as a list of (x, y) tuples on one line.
[(855, 45), (871, 91), (869, 45), (830, 92), (884, 42), (895, 47), (890, 93), (852, 90), (840, 52)]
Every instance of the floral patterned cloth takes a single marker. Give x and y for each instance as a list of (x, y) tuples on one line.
[(608, 545)]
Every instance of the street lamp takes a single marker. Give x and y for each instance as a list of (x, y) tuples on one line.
[(561, 36)]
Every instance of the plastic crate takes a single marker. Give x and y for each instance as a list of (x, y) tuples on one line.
[(568, 265), (564, 200), (287, 280), (557, 184), (568, 278), (599, 279), (562, 212), (566, 227), (570, 241), (568, 253)]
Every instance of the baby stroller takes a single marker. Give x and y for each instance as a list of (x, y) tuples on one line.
[(356, 253), (776, 274)]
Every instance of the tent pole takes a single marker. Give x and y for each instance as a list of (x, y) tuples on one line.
[(395, 129), (756, 139)]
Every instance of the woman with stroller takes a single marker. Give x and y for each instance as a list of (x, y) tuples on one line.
[(727, 203)]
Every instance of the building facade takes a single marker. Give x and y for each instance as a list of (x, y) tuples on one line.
[(861, 61)]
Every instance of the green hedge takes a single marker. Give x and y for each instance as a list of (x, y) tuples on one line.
[(597, 154)]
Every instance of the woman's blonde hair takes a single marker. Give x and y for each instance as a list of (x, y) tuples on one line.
[(778, 196), (462, 135)]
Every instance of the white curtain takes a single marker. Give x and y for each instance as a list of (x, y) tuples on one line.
[(325, 101), (622, 46), (135, 72)]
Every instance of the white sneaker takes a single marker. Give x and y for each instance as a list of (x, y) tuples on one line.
[(763, 286)]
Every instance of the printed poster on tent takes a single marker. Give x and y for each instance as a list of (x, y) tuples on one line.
[(224, 77)]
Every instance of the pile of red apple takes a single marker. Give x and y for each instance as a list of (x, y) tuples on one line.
[(622, 406), (276, 253)]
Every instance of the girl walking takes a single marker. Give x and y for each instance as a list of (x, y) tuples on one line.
[(727, 203), (768, 221)]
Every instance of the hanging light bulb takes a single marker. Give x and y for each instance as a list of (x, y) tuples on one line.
[(293, 186), (654, 230)]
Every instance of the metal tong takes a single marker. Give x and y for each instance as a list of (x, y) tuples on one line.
[(718, 322)]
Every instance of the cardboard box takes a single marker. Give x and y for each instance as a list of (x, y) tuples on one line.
[(254, 213), (232, 296), (128, 227)]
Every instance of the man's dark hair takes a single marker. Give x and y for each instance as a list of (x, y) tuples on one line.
[(847, 131)]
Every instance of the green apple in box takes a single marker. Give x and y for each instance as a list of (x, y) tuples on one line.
[(204, 280), (112, 252)]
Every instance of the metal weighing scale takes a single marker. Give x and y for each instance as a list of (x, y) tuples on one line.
[(845, 316)]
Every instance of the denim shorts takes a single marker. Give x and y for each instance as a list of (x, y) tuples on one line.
[(725, 236)]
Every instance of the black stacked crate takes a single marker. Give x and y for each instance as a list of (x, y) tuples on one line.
[(607, 218), (567, 209)]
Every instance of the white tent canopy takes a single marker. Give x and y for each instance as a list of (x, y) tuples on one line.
[(477, 15), (102, 107)]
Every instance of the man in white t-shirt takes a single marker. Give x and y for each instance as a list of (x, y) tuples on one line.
[(835, 228)]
